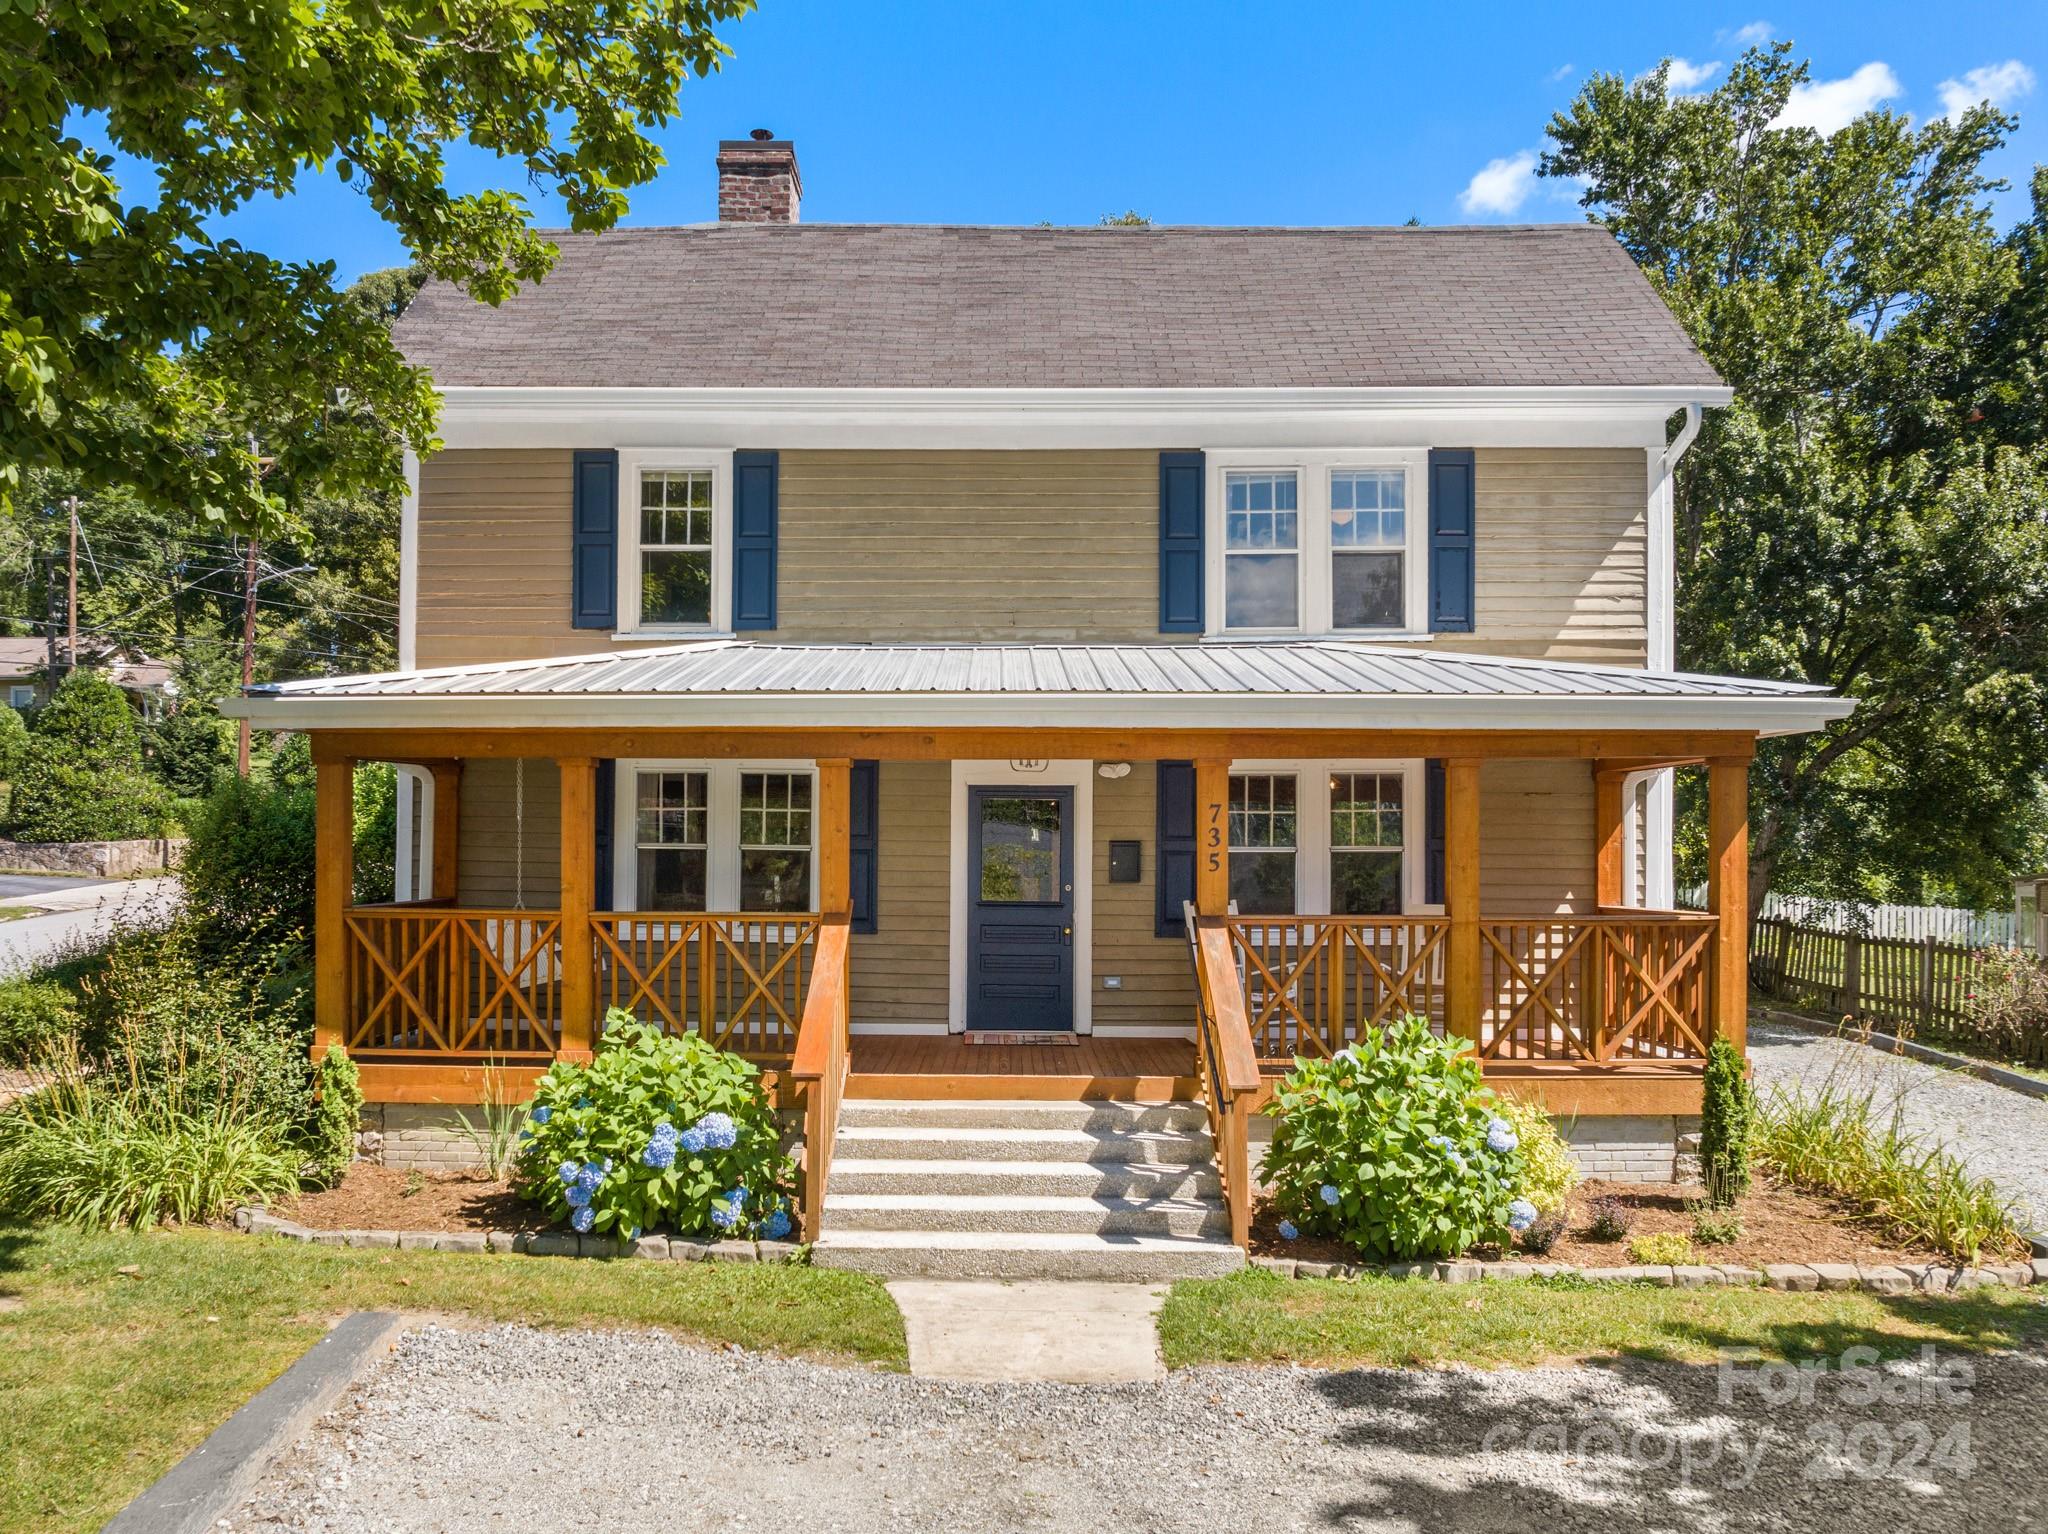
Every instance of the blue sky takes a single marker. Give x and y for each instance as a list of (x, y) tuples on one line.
[(1309, 113)]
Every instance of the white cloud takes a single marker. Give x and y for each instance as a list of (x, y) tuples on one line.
[(1746, 36), (1999, 84), (1503, 186), (1827, 106), (1563, 72), (1685, 75)]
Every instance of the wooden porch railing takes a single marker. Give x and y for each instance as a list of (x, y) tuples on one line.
[(1593, 989), (739, 979), (425, 980), (823, 1052), (1226, 1063)]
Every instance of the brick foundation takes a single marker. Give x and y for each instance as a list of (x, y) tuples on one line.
[(1632, 1148), (430, 1137)]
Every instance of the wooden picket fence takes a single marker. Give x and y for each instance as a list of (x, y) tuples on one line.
[(1918, 985)]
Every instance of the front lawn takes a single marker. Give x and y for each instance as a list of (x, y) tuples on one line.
[(1259, 1317), (108, 1377)]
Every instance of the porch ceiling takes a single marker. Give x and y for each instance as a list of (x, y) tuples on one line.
[(1322, 684)]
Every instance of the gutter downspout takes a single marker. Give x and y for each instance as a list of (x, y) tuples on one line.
[(1668, 464), (1660, 809)]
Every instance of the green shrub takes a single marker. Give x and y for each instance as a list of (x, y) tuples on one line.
[(1716, 1227), (1824, 1138), (656, 1129), (190, 747), (58, 799), (13, 742), (1609, 1218), (1386, 1146), (1548, 1172), (331, 1147), (2005, 1009), (93, 1153), (1545, 1232), (1727, 1112), (35, 1016), (248, 869), (90, 723), (1668, 1247)]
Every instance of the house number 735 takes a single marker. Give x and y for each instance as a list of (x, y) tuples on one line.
[(1215, 837)]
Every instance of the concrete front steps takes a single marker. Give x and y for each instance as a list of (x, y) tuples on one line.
[(1109, 1191)]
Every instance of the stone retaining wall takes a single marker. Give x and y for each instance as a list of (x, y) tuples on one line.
[(107, 860)]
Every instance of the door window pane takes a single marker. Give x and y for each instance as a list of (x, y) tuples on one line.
[(1263, 838), (1020, 850), (675, 547), (1368, 544), (775, 841), (1366, 826), (1261, 559)]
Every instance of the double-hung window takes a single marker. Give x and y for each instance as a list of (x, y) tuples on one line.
[(675, 548), (1368, 548), (775, 841), (1340, 838), (672, 825), (1263, 842), (1261, 551), (1366, 835), (717, 836)]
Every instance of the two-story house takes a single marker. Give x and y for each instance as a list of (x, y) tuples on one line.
[(995, 666)]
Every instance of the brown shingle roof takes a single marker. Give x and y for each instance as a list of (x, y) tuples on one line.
[(857, 305)]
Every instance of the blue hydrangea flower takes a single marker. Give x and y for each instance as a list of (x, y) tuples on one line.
[(591, 1178), (724, 1215), (1521, 1214), (568, 1172), (578, 1196), (691, 1139), (1328, 1193), (1347, 1054), (583, 1102), (776, 1226), (526, 1134), (660, 1154), (719, 1131), (664, 1130), (542, 1114), (1501, 1137), (633, 1234), (583, 1218), (1287, 1230)]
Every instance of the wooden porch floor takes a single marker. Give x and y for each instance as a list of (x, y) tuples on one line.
[(925, 1066)]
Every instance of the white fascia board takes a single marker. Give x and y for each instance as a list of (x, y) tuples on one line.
[(545, 416), (1207, 711)]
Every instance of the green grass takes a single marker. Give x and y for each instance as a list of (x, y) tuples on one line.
[(106, 1379), (1259, 1317)]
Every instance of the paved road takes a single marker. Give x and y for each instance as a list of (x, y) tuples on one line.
[(1999, 1133), (511, 1430), (14, 885), (90, 913)]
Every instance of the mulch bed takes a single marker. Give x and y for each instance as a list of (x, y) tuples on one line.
[(1779, 1224), (387, 1198)]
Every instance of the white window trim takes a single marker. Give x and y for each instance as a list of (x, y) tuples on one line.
[(1312, 853), (634, 462), (1313, 596), (1080, 777), (722, 854)]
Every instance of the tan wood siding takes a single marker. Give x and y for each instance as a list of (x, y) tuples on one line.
[(1562, 554), (498, 859), (1158, 986), (969, 546), (1536, 850), (900, 969)]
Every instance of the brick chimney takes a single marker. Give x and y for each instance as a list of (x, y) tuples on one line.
[(757, 180)]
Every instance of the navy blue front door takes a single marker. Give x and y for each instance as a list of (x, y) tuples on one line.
[(1020, 909)]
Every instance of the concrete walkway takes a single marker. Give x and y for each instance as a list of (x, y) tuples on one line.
[(1999, 1133), (1072, 1333), (80, 917)]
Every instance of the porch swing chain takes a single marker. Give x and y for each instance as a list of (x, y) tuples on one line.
[(519, 833)]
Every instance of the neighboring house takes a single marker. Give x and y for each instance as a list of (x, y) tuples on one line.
[(904, 626), (2030, 912), (25, 674)]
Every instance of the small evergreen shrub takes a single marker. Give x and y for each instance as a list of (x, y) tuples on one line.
[(190, 748), (1395, 1147), (90, 722), (1665, 1248), (331, 1146), (1609, 1218), (1548, 1172), (13, 742), (35, 1016), (656, 1129), (1727, 1111), (1545, 1232)]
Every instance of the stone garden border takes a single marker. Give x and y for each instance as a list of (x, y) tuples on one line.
[(537, 1243), (1929, 1278)]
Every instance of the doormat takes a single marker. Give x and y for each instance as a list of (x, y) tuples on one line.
[(979, 1037)]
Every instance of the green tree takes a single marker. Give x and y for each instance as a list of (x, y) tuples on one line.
[(1868, 515), (139, 348), (90, 723)]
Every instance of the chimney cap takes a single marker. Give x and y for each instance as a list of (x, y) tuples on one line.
[(762, 135)]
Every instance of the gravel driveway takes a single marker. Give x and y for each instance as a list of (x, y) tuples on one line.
[(1999, 1133), (516, 1430)]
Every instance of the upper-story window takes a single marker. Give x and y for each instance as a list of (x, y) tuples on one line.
[(1330, 543), (674, 530)]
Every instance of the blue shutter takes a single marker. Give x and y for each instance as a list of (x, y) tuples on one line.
[(1433, 831), (1452, 525), (864, 841), (755, 493), (604, 801), (1180, 543), (594, 541), (1174, 866)]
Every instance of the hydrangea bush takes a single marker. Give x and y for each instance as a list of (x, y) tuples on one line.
[(1548, 1172), (656, 1130), (1395, 1147)]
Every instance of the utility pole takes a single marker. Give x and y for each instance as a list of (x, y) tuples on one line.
[(71, 594), (248, 656)]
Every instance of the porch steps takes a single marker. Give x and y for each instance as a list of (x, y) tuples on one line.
[(1094, 1189)]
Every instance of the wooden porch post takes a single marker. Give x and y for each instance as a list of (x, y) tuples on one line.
[(1212, 836), (333, 880), (1461, 897), (1728, 893), (1609, 883), (444, 881), (835, 836), (579, 877)]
